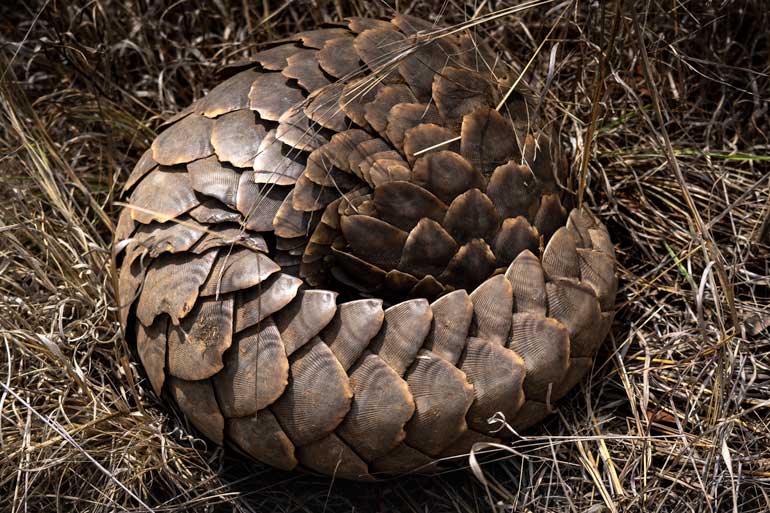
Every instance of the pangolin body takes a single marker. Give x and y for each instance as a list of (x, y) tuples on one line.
[(354, 255)]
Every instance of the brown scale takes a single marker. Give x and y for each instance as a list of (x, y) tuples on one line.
[(229, 234), (196, 345), (317, 397), (338, 57), (211, 211), (256, 303), (346, 259), (147, 205), (377, 111), (259, 203), (317, 38), (296, 130), (151, 346), (497, 375), (382, 405), (458, 92), (197, 401), (324, 110), (236, 137), (230, 95), (237, 269), (404, 116), (144, 165), (172, 237), (447, 175), (333, 457), (215, 179), (262, 438), (276, 163), (303, 67), (183, 142), (427, 250), (171, 285)]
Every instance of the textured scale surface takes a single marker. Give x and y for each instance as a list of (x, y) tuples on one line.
[(359, 265)]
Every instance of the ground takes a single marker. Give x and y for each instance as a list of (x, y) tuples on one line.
[(665, 105)]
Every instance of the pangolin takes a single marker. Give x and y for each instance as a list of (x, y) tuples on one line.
[(358, 255)]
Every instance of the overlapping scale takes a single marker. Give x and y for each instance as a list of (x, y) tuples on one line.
[(195, 346), (276, 163), (171, 285), (492, 307), (332, 456), (304, 317), (230, 235), (338, 57), (303, 67), (379, 46), (211, 211), (172, 237), (404, 204), (237, 270), (403, 460), (236, 137), (543, 344), (442, 396), (352, 328), (560, 258), (457, 92), (184, 141), (471, 216), (447, 175), (374, 240), (317, 38), (146, 205), (514, 191), (197, 401), (377, 111), (297, 130), (257, 303), (515, 236), (230, 95), (255, 373), (271, 96), (472, 261), (144, 165), (323, 109), (263, 438), (402, 334), (428, 59), (258, 202), (382, 405), (487, 140), (151, 346), (317, 397), (399, 185), (497, 375), (574, 304), (452, 316), (427, 137), (405, 116), (427, 250), (528, 283), (275, 58)]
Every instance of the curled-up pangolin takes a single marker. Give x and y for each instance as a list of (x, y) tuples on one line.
[(355, 256)]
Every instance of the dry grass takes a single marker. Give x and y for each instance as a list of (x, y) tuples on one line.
[(667, 100)]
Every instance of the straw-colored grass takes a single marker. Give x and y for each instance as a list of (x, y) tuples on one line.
[(665, 104)]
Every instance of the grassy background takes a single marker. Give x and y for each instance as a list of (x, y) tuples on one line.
[(664, 102)]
